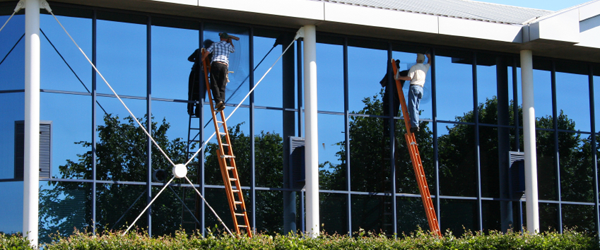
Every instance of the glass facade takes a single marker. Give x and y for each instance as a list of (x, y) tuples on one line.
[(105, 170)]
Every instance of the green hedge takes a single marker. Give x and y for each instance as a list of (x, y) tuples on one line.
[(569, 239)]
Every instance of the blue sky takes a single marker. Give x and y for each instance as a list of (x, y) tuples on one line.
[(553, 5)]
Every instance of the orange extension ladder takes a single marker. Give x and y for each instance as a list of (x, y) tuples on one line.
[(229, 172), (415, 158)]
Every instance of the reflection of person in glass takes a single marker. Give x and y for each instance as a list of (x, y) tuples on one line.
[(196, 84), (219, 67), (391, 91), (416, 76)]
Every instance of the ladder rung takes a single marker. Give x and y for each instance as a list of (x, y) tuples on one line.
[(235, 190), (227, 156), (229, 168), (236, 214), (237, 202), (232, 179), (225, 145), (242, 226), (219, 122)]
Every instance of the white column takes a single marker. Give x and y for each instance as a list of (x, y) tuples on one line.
[(312, 137), (31, 176), (531, 187)]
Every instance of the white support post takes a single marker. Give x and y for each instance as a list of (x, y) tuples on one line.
[(311, 125), (31, 176), (531, 187)]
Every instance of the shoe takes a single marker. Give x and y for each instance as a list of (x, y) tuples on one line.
[(414, 129), (219, 106)]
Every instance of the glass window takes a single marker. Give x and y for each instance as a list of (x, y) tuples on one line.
[(491, 215), (405, 174), (269, 212), (269, 147), (332, 155), (63, 67), (121, 53), (330, 74), (410, 215), (542, 88), (121, 143), (454, 85), (12, 110), (11, 218), (171, 49), (64, 207), (572, 95), (596, 80), (71, 119), (12, 63), (367, 65)]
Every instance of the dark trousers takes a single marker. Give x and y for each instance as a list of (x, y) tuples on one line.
[(386, 106), (196, 90), (218, 81)]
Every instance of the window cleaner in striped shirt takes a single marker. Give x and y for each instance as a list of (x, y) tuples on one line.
[(219, 67)]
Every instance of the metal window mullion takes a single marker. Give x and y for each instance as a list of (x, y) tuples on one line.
[(252, 137), (392, 136), (594, 149), (556, 148), (477, 146), (148, 119), (436, 160), (201, 138), (94, 137), (347, 137), (516, 106)]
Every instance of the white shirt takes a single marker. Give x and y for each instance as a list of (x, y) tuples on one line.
[(418, 73)]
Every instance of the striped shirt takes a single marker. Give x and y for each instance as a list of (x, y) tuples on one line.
[(220, 51)]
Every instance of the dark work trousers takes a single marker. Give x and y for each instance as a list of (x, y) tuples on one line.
[(196, 89), (218, 81)]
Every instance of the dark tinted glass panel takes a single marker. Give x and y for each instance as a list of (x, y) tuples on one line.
[(368, 212), (576, 167), (492, 216), (333, 213), (490, 163), (457, 159), (458, 216), (410, 215), (542, 88), (369, 154), (548, 216), (546, 165), (579, 217), (269, 212)]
